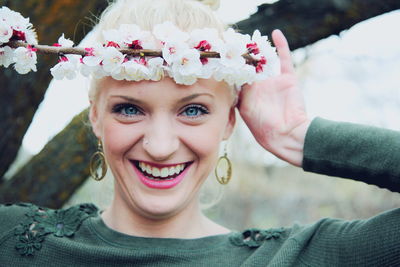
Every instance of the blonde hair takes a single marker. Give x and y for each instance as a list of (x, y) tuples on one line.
[(187, 15)]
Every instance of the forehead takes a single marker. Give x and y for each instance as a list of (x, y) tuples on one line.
[(165, 88)]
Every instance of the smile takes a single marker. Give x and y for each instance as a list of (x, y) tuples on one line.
[(164, 173), (160, 176)]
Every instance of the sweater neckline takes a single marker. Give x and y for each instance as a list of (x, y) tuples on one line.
[(119, 239)]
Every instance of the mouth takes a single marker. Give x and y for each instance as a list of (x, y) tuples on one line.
[(160, 176)]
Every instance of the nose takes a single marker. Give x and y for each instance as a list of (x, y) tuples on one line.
[(160, 140)]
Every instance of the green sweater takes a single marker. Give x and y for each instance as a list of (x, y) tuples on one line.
[(33, 236)]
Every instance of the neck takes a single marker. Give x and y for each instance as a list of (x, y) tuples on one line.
[(188, 223)]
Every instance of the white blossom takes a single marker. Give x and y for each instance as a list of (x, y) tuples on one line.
[(156, 68), (93, 56), (64, 42), (6, 56), (247, 74), (112, 59), (31, 37), (263, 44), (66, 68), (18, 23), (272, 66), (119, 74), (225, 74), (233, 49), (136, 71), (187, 63), (5, 32), (90, 63), (186, 67), (208, 69), (172, 51), (25, 60), (97, 71), (184, 79), (132, 33), (15, 19), (85, 70), (236, 77)]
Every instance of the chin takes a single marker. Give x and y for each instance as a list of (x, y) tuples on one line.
[(156, 206)]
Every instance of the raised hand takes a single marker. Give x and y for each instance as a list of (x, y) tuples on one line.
[(274, 109)]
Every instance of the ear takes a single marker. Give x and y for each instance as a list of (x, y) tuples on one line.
[(231, 123), (94, 119)]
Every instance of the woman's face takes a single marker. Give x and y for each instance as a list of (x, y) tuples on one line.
[(161, 140)]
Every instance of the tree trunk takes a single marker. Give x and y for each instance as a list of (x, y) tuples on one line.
[(53, 175), (20, 95), (307, 21)]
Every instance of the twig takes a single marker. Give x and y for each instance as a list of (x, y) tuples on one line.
[(46, 49)]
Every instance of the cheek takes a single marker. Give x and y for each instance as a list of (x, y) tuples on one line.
[(118, 138), (204, 139)]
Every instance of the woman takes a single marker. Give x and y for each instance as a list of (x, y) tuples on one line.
[(161, 141)]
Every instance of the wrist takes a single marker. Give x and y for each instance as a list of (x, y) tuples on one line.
[(289, 147)]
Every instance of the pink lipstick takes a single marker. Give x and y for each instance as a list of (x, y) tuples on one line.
[(155, 180)]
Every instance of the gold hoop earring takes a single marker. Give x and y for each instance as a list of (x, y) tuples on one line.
[(98, 160), (224, 179)]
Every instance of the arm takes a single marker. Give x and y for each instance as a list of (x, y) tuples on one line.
[(275, 113), (333, 242), (359, 152)]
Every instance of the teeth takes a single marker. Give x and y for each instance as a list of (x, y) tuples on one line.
[(163, 172), (171, 171), (147, 168), (156, 172)]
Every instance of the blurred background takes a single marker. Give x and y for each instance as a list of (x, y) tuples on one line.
[(347, 58)]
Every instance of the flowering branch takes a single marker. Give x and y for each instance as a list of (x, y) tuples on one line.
[(47, 49), (130, 53)]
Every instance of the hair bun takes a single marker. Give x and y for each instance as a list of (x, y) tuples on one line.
[(213, 4)]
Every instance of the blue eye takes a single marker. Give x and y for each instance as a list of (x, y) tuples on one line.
[(195, 111), (127, 110)]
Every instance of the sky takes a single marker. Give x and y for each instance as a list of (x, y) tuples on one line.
[(352, 77)]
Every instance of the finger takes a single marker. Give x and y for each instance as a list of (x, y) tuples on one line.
[(282, 46), (241, 95)]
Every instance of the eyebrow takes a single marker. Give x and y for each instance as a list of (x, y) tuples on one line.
[(139, 102), (191, 97), (128, 98)]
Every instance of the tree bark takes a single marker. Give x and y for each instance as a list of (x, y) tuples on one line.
[(20, 95), (53, 175), (307, 21)]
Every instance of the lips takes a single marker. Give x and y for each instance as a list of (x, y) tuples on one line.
[(160, 176), (160, 173)]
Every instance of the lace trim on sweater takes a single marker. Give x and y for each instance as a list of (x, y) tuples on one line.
[(40, 222), (256, 237)]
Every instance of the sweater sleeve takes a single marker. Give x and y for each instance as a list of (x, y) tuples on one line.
[(333, 242), (358, 152)]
